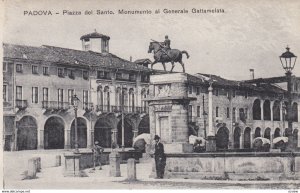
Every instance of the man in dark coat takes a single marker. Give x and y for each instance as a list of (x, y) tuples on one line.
[(160, 158), (97, 150)]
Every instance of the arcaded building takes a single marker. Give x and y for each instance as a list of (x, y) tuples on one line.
[(38, 85), (39, 82)]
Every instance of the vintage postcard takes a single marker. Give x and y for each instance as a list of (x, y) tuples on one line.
[(150, 94)]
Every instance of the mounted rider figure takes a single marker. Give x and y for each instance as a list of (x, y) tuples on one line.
[(166, 45)]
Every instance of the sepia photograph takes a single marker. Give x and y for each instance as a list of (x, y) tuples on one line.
[(160, 95)]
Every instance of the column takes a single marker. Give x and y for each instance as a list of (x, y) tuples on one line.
[(135, 133), (271, 139), (210, 113), (211, 140), (261, 109), (242, 140), (112, 96), (67, 139), (271, 106), (281, 113), (88, 135), (298, 114), (114, 133), (251, 138), (41, 139)]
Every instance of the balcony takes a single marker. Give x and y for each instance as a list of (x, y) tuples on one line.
[(21, 104), (118, 109), (55, 105)]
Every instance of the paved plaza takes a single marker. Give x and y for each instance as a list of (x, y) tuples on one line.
[(52, 177)]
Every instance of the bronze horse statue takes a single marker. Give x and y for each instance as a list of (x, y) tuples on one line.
[(171, 55)]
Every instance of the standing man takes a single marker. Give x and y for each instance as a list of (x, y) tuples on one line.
[(97, 150), (160, 158)]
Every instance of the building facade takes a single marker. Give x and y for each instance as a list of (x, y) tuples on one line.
[(39, 83), (38, 86)]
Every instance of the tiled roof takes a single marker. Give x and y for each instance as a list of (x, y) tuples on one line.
[(69, 56), (94, 35), (219, 81)]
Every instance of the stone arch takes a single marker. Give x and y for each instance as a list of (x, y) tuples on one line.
[(257, 132), (276, 111), (54, 132), (81, 133), (256, 110), (144, 126), (222, 138), (277, 133), (267, 133), (102, 132), (236, 137), (295, 112), (247, 138), (128, 132), (267, 110), (27, 133)]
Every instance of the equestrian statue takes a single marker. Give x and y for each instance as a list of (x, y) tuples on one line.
[(163, 53)]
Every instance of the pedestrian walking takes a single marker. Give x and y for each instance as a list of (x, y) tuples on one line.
[(160, 158), (97, 152)]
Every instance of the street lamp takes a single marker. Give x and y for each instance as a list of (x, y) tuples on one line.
[(75, 106), (288, 61)]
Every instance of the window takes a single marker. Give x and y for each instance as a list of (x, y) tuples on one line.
[(198, 90), (34, 95), (71, 74), (104, 75), (198, 111), (4, 66), (86, 47), (45, 70), (217, 111), (85, 75), (119, 75), (228, 113), (4, 93), (45, 94), (246, 113), (60, 72), (190, 89), (60, 95), (19, 93), (70, 96), (34, 69), (19, 68), (233, 93)]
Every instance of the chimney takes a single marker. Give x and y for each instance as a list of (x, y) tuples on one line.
[(251, 74)]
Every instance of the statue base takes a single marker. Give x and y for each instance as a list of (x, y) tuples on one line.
[(211, 145), (178, 148)]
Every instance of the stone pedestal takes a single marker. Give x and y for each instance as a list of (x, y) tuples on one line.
[(131, 169), (211, 144), (72, 167), (32, 168), (114, 164)]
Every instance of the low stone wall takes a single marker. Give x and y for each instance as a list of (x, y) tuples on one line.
[(235, 166), (86, 158)]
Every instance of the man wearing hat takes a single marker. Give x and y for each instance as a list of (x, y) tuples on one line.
[(160, 158), (97, 150)]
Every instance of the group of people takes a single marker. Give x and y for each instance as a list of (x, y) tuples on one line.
[(159, 156)]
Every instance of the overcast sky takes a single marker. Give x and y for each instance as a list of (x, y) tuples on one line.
[(250, 34)]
